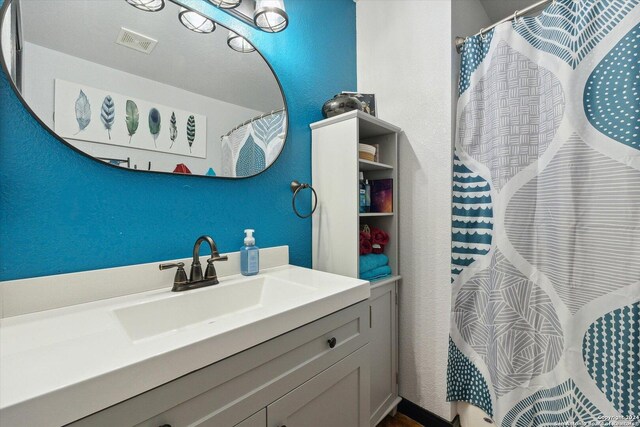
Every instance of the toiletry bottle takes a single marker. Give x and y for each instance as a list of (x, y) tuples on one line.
[(367, 196), (249, 255), (363, 198)]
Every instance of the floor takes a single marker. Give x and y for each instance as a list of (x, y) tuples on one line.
[(399, 420)]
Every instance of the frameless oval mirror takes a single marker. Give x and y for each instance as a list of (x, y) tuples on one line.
[(146, 85)]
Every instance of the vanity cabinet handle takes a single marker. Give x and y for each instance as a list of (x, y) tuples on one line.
[(165, 425), (332, 342)]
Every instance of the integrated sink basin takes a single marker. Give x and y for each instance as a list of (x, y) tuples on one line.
[(117, 348), (184, 309)]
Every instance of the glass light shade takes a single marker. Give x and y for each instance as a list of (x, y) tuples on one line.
[(226, 4), (196, 22), (239, 43), (270, 15), (147, 5)]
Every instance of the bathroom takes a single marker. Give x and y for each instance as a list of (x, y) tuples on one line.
[(314, 213)]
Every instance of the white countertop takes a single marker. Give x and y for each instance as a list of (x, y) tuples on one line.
[(60, 365)]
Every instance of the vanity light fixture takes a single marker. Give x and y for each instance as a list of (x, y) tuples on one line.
[(239, 43), (147, 5), (196, 22), (270, 15), (226, 4)]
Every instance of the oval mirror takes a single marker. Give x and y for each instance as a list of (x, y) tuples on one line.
[(146, 85)]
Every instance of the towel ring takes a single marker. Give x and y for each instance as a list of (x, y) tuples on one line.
[(295, 188)]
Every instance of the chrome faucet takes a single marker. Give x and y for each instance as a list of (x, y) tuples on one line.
[(196, 280)]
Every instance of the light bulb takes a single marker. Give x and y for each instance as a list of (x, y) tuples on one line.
[(147, 5), (196, 22), (239, 43), (270, 15), (226, 4)]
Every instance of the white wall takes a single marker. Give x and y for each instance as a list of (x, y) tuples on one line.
[(404, 57), (42, 65)]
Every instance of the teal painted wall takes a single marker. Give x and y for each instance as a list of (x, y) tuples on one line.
[(63, 212)]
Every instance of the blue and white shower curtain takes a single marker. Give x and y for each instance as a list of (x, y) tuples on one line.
[(546, 219), (252, 148)]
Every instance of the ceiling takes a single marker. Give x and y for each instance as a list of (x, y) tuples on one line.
[(498, 9), (200, 63)]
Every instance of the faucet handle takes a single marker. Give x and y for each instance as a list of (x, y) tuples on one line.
[(171, 265), (180, 277), (217, 257)]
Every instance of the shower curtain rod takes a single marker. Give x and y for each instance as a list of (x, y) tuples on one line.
[(253, 119), (459, 41)]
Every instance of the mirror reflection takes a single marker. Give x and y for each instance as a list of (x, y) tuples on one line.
[(164, 90)]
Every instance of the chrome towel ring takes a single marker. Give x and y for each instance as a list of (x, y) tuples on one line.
[(295, 188)]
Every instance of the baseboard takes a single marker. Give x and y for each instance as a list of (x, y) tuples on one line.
[(421, 415)]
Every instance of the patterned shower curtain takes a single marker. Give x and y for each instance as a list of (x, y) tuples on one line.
[(252, 148), (546, 219)]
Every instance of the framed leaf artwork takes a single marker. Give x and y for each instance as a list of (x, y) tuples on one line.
[(98, 116)]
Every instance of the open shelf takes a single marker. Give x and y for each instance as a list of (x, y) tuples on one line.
[(366, 165), (374, 214), (368, 125)]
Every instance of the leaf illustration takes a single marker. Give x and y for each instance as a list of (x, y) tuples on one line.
[(191, 131), (133, 118), (83, 111), (154, 124), (173, 129), (108, 113)]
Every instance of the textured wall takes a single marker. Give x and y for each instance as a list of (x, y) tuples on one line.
[(404, 57), (62, 212)]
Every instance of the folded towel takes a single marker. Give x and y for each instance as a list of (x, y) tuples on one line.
[(376, 273), (372, 261)]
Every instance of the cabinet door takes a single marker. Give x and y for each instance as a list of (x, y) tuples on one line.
[(258, 419), (337, 397), (383, 350)]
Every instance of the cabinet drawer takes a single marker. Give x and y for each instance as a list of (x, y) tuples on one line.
[(229, 391), (256, 420), (337, 397)]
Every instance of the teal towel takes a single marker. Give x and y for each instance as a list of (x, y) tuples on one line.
[(372, 261), (376, 273)]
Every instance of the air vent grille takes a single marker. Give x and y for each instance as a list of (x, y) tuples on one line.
[(136, 41)]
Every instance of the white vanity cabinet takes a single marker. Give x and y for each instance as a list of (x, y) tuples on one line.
[(256, 420), (336, 397), (312, 374), (337, 222), (383, 349)]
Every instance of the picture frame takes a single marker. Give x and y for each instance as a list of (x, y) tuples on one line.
[(369, 101), (85, 113)]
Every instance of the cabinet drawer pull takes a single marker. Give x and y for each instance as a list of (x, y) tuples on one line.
[(332, 342), (165, 425)]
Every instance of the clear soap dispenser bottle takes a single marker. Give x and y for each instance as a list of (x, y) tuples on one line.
[(249, 255)]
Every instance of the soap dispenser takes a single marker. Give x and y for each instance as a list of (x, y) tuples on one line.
[(249, 255)]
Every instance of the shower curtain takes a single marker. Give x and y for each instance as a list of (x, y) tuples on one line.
[(545, 323), (252, 148)]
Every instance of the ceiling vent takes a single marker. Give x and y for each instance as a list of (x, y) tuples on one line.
[(136, 41)]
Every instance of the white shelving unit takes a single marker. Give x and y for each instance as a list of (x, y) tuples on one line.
[(366, 165), (336, 232), (336, 170)]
